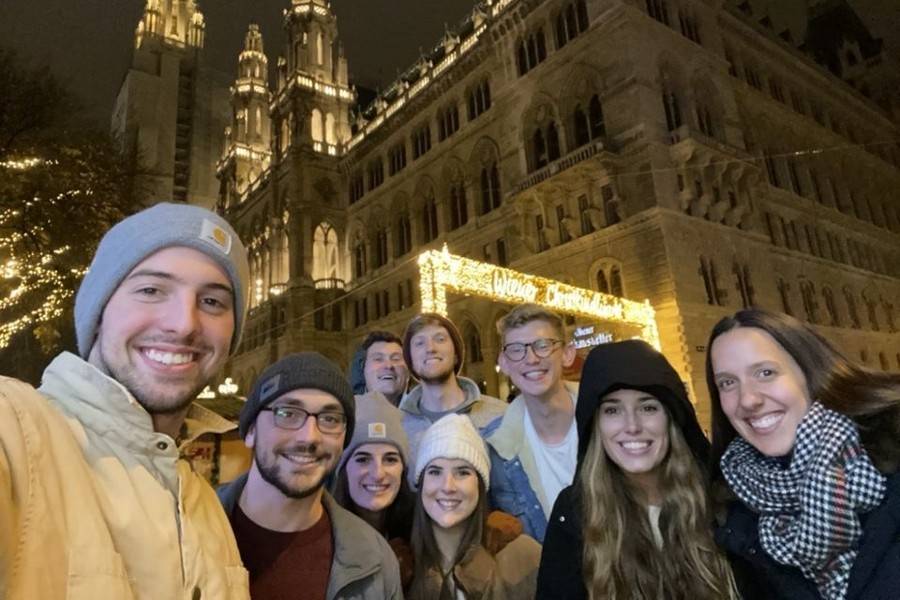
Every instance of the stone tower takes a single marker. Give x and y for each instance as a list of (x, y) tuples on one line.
[(248, 139), (171, 110)]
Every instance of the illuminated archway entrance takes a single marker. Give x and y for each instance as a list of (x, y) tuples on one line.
[(440, 272)]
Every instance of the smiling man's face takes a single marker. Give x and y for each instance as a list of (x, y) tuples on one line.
[(385, 371), (167, 329)]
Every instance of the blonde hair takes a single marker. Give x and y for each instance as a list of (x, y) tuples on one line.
[(621, 559), (526, 313)]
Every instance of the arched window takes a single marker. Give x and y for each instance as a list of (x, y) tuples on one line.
[(609, 279), (459, 214), (602, 283), (521, 59), (359, 258), (597, 122), (610, 206), (429, 219), (325, 253), (330, 135), (380, 248), (286, 126), (615, 281), (320, 49), (473, 344), (318, 135), (257, 123), (582, 133), (283, 272), (490, 188), (672, 109), (552, 142), (403, 240), (539, 147)]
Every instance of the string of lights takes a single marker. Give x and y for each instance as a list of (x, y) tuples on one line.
[(36, 285)]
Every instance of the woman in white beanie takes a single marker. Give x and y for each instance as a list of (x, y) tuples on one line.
[(452, 562)]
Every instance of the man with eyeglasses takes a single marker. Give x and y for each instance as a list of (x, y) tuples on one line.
[(534, 449), (294, 539)]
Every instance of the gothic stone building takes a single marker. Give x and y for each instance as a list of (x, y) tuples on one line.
[(703, 155)]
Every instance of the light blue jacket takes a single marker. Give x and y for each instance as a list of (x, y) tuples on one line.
[(515, 482)]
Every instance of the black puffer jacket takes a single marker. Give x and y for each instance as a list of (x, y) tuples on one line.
[(875, 574), (632, 364)]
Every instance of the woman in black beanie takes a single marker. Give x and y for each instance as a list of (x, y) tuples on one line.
[(635, 523)]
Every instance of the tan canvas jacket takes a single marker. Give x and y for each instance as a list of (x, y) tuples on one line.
[(94, 504)]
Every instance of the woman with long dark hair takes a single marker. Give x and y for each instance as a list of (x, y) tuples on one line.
[(635, 523), (807, 445), (452, 561), (371, 479)]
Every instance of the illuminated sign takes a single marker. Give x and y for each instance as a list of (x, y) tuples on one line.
[(585, 337), (440, 271)]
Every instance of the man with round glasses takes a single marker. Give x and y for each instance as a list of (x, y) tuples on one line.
[(534, 449), (294, 539)]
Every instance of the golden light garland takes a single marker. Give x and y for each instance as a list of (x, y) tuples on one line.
[(440, 271), (31, 274)]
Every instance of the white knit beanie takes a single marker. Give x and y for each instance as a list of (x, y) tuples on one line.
[(453, 436)]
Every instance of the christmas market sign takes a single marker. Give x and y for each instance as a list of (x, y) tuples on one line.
[(440, 271)]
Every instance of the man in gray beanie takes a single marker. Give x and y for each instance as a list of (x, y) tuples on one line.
[(292, 535), (93, 491)]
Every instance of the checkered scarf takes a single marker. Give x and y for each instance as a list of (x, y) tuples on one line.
[(809, 509)]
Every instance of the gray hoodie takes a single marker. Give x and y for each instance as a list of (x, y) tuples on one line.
[(484, 411)]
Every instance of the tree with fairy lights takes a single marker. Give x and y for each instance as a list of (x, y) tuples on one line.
[(62, 185)]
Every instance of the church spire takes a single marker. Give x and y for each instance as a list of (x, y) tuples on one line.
[(247, 153), (174, 22)]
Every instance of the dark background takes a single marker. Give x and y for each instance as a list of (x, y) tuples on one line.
[(88, 42)]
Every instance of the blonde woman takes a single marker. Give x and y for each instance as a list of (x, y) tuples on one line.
[(635, 524)]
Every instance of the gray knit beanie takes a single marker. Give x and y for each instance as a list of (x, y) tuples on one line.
[(135, 238), (377, 422), (303, 370)]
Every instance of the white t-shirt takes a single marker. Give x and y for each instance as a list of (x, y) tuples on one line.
[(555, 462)]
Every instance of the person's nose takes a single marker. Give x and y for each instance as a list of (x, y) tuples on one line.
[(182, 316)]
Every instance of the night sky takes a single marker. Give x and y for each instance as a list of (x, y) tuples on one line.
[(88, 42)]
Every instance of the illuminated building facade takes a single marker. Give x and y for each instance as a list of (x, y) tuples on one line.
[(172, 109), (689, 153)]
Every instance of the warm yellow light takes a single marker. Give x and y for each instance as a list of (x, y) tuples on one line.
[(440, 271)]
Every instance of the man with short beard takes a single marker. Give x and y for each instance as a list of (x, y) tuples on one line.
[(434, 352), (95, 499), (295, 540)]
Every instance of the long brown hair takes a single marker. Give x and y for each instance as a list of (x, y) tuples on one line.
[(621, 559), (425, 548), (870, 398)]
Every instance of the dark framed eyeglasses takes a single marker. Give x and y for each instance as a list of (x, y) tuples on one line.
[(542, 348), (292, 417)]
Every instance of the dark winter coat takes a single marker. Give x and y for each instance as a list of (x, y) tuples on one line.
[(875, 574), (632, 364)]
